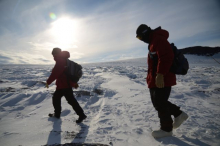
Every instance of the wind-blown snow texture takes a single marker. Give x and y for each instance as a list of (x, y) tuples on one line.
[(116, 100)]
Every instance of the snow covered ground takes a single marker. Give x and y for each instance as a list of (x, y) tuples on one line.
[(116, 100)]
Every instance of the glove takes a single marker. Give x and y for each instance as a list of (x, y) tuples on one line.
[(75, 85), (159, 81), (47, 86)]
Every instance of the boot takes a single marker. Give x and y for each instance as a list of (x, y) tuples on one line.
[(179, 120), (81, 118), (160, 133), (54, 115)]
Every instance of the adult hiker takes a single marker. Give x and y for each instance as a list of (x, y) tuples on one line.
[(64, 86), (160, 79)]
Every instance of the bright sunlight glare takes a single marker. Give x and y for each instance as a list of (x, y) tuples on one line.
[(64, 31)]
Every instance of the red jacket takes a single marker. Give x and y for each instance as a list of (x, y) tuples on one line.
[(161, 47), (58, 73)]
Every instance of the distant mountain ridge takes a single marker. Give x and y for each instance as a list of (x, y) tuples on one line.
[(200, 50)]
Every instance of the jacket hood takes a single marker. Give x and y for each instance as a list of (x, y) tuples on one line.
[(63, 54), (161, 33)]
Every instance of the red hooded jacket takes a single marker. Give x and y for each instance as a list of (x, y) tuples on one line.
[(58, 72), (161, 47)]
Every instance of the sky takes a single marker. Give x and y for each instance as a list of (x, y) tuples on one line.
[(100, 30)]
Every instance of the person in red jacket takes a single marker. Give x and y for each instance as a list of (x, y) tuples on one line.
[(64, 86), (160, 79)]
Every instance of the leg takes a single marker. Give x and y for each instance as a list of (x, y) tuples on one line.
[(57, 102), (174, 110), (68, 93), (159, 97)]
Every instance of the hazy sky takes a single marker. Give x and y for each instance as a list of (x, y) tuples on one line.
[(100, 30)]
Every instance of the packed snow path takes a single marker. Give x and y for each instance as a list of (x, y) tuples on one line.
[(116, 100)]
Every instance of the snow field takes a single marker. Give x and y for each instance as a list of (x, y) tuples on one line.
[(115, 98)]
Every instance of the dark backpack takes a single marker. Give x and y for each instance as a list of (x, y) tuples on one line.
[(180, 64), (73, 71)]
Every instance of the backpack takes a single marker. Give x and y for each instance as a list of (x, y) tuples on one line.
[(180, 64), (73, 71)]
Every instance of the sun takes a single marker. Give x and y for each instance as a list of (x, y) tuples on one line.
[(64, 31)]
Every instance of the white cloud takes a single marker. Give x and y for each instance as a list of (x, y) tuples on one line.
[(76, 55), (24, 58), (109, 29)]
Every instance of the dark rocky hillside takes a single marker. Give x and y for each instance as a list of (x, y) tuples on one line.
[(199, 50)]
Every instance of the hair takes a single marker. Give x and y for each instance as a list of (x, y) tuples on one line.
[(56, 51)]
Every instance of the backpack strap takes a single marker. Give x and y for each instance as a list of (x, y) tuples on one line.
[(67, 77)]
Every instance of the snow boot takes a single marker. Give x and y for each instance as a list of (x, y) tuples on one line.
[(54, 115), (81, 118), (179, 120), (160, 133)]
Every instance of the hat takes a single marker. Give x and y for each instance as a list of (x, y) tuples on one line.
[(142, 29), (56, 51)]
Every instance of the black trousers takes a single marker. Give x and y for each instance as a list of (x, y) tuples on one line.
[(159, 98), (68, 94)]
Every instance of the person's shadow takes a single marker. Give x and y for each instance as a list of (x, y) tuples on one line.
[(177, 141), (82, 134), (55, 134)]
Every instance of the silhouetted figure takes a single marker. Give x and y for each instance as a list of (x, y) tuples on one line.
[(64, 86)]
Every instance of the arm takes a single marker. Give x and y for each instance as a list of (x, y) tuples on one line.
[(165, 60), (56, 72)]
